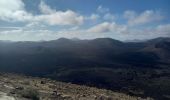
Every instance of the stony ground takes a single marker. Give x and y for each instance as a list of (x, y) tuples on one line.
[(19, 87)]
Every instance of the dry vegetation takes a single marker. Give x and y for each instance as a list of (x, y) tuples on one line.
[(28, 88)]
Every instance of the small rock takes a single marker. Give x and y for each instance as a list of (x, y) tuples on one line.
[(19, 88)]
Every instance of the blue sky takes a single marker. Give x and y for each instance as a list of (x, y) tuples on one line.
[(34, 20)]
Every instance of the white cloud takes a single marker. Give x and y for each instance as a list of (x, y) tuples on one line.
[(148, 32), (14, 10), (100, 28), (107, 27), (34, 25), (130, 14), (105, 12), (37, 28), (109, 16), (93, 17), (143, 18), (68, 17), (101, 9), (27, 35), (45, 9), (163, 29), (104, 29), (53, 17)]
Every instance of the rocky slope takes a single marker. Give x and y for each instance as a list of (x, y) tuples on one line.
[(19, 87)]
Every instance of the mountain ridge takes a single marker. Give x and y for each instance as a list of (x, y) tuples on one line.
[(127, 67)]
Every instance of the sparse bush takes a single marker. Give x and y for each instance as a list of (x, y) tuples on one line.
[(26, 82), (30, 93)]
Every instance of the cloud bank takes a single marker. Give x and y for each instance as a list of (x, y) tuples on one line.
[(14, 10), (51, 23)]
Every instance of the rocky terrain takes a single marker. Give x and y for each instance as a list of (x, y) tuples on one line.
[(20, 87)]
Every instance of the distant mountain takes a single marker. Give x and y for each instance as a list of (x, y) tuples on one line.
[(131, 67), (135, 40), (160, 39), (85, 53), (160, 47)]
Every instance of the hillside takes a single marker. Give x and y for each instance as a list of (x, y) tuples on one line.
[(19, 87), (134, 68)]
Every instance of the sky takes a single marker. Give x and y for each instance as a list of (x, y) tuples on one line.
[(37, 20)]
